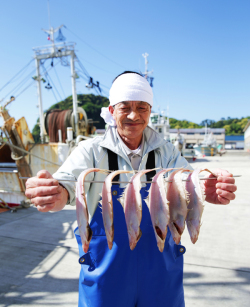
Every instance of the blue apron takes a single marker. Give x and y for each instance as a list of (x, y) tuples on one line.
[(144, 277)]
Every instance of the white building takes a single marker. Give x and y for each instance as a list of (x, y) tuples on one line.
[(196, 136), (246, 131)]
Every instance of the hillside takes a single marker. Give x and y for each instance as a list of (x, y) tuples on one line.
[(90, 103), (232, 126)]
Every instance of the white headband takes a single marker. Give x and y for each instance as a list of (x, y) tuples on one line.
[(127, 87)]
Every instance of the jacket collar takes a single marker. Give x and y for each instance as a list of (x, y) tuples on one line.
[(152, 141)]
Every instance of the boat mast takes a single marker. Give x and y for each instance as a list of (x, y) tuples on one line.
[(40, 103), (55, 51), (146, 73)]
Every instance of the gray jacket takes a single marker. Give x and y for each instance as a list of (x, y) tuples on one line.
[(93, 153)]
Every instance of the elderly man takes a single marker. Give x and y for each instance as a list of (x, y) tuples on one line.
[(120, 277)]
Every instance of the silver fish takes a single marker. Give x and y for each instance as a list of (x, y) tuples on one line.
[(82, 214), (159, 208), (132, 205), (107, 206), (195, 207), (178, 201)]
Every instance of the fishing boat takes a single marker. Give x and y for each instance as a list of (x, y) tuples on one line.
[(60, 132), (208, 147), (161, 124)]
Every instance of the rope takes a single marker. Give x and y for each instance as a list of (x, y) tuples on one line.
[(28, 153), (5, 206), (15, 158)]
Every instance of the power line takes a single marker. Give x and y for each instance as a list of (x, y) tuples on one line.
[(32, 82), (20, 84), (82, 76), (16, 74), (95, 49), (59, 82), (49, 78), (98, 67), (83, 68), (80, 64)]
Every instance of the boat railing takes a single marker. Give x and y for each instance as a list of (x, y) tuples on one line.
[(58, 47)]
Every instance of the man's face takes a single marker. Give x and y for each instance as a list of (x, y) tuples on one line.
[(131, 117)]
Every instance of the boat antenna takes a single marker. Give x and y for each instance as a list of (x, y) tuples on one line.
[(147, 73), (168, 115), (49, 14)]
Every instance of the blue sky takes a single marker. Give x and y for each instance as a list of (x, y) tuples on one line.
[(199, 51)]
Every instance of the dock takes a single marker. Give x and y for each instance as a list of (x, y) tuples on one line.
[(39, 255)]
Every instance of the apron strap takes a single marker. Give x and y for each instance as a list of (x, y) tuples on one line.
[(113, 164), (150, 165)]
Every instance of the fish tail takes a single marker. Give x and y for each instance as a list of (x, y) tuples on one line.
[(194, 230), (161, 244), (175, 234), (133, 241)]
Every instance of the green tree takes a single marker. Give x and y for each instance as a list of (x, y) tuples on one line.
[(90, 103)]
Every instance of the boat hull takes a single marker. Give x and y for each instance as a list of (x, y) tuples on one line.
[(205, 150)]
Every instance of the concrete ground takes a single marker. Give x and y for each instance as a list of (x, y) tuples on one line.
[(217, 267), (39, 256)]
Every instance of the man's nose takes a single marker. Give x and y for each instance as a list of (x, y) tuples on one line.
[(133, 115)]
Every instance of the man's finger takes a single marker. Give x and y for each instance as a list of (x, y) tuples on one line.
[(226, 179), (35, 182), (221, 172), (42, 191), (223, 200), (41, 201), (225, 194), (44, 174), (45, 208), (226, 186)]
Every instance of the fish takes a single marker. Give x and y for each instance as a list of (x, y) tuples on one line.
[(195, 207), (82, 214), (178, 198), (159, 208), (107, 206), (132, 204)]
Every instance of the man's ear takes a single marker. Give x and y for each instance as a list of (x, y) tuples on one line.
[(111, 110)]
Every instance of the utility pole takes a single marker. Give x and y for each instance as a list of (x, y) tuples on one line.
[(56, 50)]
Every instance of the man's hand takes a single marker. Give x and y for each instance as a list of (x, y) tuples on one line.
[(46, 193), (220, 190)]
